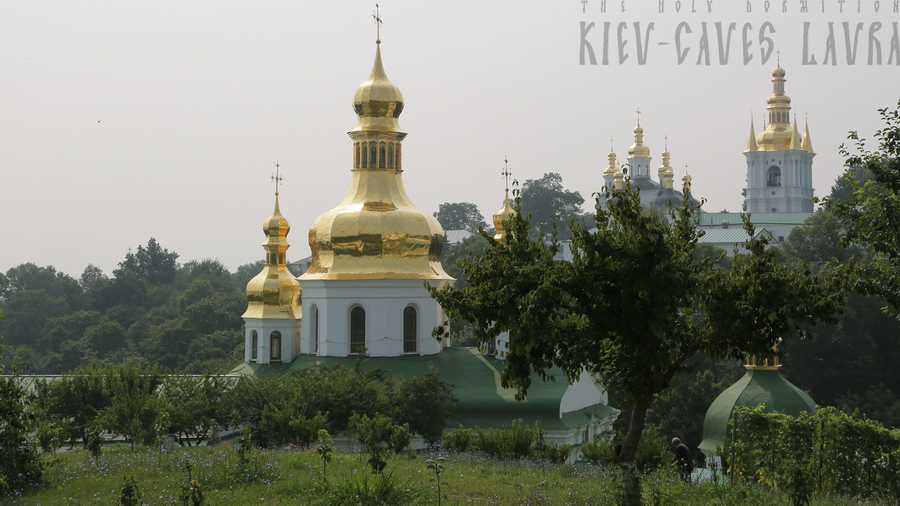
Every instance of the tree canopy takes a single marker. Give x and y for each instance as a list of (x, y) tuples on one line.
[(548, 203), (633, 305), (871, 210), (460, 216)]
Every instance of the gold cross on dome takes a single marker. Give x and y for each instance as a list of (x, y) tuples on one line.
[(276, 177), (506, 172), (378, 23)]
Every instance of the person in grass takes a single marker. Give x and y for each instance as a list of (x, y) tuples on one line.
[(682, 459)]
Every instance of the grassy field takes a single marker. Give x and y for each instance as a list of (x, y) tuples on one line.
[(296, 478)]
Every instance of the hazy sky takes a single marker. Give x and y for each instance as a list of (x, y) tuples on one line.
[(121, 121)]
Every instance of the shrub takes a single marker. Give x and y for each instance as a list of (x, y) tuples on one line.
[(459, 440)]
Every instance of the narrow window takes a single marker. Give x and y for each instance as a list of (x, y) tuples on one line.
[(275, 347), (373, 156), (314, 345), (356, 157), (357, 330), (409, 330), (254, 345), (390, 159), (381, 163), (364, 154)]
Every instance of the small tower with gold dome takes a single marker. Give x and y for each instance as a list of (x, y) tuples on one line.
[(503, 215), (372, 253), (273, 316), (779, 159)]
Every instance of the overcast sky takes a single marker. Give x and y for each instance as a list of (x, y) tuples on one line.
[(121, 121)]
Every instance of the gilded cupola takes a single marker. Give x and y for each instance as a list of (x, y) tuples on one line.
[(274, 292), (778, 134), (638, 149), (376, 232), (503, 215)]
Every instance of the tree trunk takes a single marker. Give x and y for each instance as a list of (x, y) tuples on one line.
[(625, 453)]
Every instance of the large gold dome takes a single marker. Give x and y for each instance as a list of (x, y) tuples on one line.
[(376, 232)]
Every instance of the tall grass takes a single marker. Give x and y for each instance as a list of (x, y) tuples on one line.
[(295, 478)]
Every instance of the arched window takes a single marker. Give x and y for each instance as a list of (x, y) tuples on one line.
[(357, 330), (381, 163), (373, 156), (364, 155), (356, 157), (314, 334), (275, 346), (409, 330), (390, 160), (254, 345), (773, 176)]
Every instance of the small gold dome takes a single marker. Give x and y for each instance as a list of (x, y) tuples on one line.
[(274, 292), (778, 133), (501, 219), (377, 101), (638, 149), (611, 168)]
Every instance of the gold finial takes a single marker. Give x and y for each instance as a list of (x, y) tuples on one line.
[(639, 116), (276, 177), (611, 145), (378, 23), (666, 137), (778, 52), (506, 172)]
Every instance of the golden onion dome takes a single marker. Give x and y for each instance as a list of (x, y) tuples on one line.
[(686, 181), (611, 168), (778, 133), (274, 292), (377, 101), (638, 149), (666, 156), (501, 219), (376, 232)]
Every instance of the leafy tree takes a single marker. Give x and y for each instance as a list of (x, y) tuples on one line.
[(153, 264), (548, 203), (632, 306), (818, 241), (871, 211), (21, 464), (134, 404), (27, 311), (469, 247), (105, 337), (460, 216), (29, 276), (845, 184), (196, 405)]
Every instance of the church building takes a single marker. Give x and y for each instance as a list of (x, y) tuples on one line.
[(365, 292)]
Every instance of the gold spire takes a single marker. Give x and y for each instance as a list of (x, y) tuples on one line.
[(665, 157), (796, 142), (376, 232), (502, 216), (274, 292), (686, 181), (778, 133), (807, 140), (751, 142), (611, 168)]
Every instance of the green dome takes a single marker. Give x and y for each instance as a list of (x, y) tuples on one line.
[(758, 386)]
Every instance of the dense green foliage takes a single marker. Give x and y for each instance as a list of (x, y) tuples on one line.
[(153, 311), (517, 441), (549, 204), (21, 464), (460, 216), (871, 209), (826, 452)]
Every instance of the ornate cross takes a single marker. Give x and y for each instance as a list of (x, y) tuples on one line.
[(378, 23), (276, 177), (506, 172)]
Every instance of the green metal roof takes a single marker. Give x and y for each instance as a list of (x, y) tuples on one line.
[(731, 235), (716, 219), (483, 402), (756, 387)]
